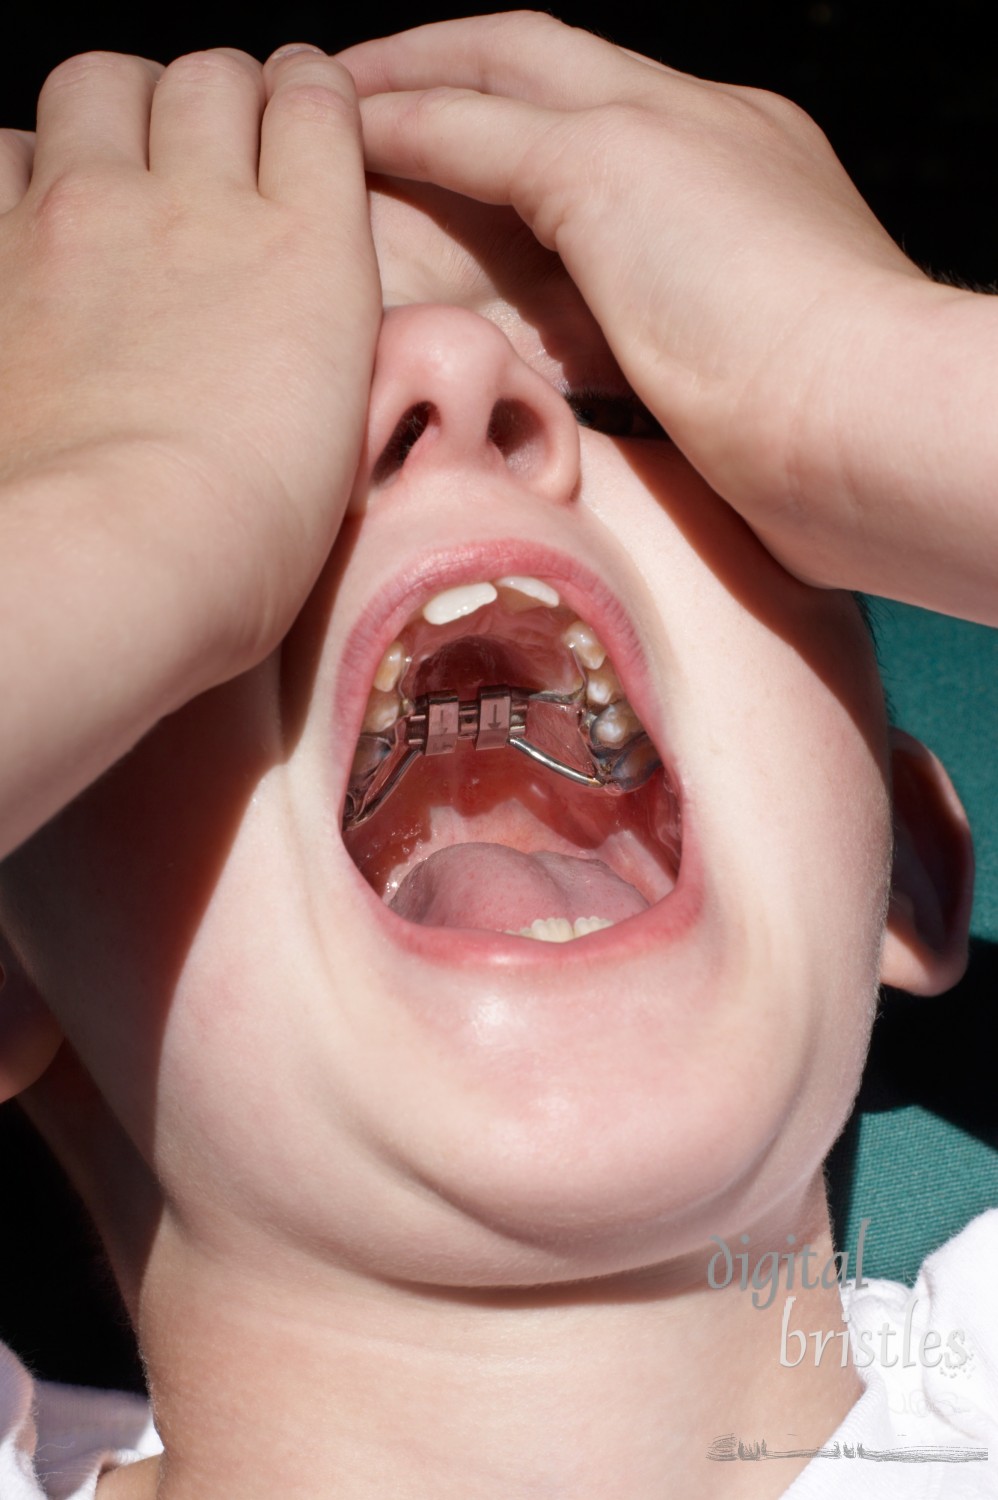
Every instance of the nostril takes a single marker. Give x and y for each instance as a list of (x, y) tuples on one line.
[(515, 429), (407, 433), (516, 432)]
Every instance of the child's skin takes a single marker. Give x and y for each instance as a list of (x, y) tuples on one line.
[(344, 1182)]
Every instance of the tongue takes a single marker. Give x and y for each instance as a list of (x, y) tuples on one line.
[(500, 889)]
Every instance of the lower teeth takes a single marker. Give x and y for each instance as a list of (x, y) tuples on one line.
[(559, 929)]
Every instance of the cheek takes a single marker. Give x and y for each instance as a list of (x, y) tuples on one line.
[(796, 814), (770, 690), (772, 703), (804, 813)]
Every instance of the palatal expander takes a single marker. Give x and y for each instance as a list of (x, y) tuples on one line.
[(614, 752)]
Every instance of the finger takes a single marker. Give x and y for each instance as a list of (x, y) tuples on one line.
[(311, 153), (205, 118), (93, 110), (651, 62), (17, 150), (511, 53), (472, 143)]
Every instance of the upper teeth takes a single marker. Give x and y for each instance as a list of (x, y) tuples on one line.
[(390, 668), (603, 686), (616, 724), (583, 640), (382, 711), (521, 592), (453, 604)]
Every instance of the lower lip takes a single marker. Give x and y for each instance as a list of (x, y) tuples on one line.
[(456, 948)]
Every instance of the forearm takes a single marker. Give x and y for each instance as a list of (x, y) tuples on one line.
[(904, 445), (101, 630)]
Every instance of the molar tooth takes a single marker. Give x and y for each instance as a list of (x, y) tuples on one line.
[(382, 711), (584, 925), (583, 640), (616, 724), (635, 764), (390, 668), (603, 687), (521, 592), (453, 604)]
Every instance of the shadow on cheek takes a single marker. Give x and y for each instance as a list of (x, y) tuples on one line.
[(108, 897)]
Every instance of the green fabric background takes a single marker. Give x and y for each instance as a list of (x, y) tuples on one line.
[(920, 1155), (941, 676)]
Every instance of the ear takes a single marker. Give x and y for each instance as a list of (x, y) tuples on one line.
[(932, 886), (30, 1036)]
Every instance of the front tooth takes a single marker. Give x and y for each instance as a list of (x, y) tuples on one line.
[(603, 687), (560, 929), (583, 640), (616, 724), (390, 668), (584, 925), (382, 711), (549, 930), (521, 592), (453, 604)]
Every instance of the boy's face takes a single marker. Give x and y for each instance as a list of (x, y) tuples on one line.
[(434, 1098)]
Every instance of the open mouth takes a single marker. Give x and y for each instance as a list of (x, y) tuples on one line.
[(502, 780)]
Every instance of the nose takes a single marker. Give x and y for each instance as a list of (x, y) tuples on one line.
[(450, 390)]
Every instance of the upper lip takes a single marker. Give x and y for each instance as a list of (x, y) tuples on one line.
[(397, 600)]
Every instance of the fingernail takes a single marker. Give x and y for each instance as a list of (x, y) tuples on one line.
[(292, 48)]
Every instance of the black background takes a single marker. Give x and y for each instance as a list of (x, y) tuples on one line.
[(907, 93), (908, 98)]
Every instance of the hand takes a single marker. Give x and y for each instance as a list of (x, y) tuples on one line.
[(190, 286), (191, 303), (735, 270)]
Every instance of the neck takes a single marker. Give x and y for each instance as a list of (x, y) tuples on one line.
[(315, 1382)]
